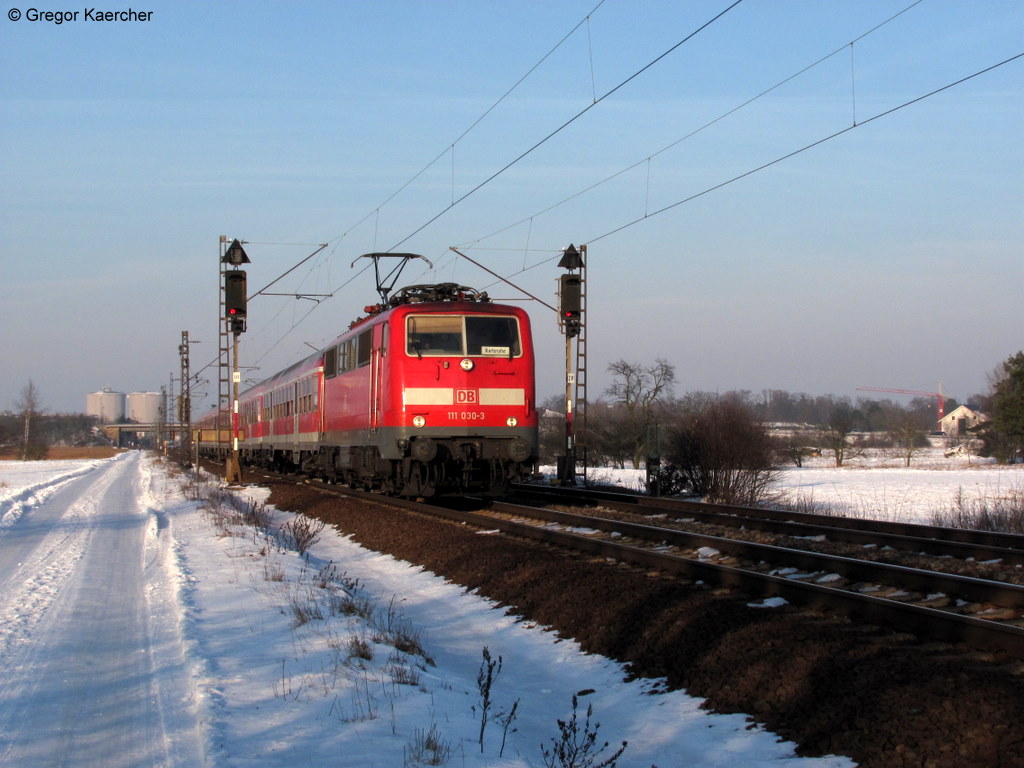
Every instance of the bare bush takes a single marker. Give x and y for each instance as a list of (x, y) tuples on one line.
[(272, 571), (196, 485), (720, 451), (1002, 514), (489, 669), (806, 504), (327, 575), (359, 648), (305, 610), (300, 533), (352, 605), (577, 745), (399, 633), (403, 674), (427, 748), (257, 515)]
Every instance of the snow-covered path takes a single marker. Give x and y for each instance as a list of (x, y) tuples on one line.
[(93, 669)]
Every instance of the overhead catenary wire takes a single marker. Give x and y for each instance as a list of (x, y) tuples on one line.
[(694, 132), (564, 125), (806, 147), (289, 271), (505, 280), (450, 147), (769, 164)]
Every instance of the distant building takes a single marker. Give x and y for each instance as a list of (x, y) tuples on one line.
[(143, 407), (106, 405), (958, 422)]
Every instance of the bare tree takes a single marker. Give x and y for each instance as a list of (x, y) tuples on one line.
[(28, 404), (839, 435), (905, 434), (638, 388)]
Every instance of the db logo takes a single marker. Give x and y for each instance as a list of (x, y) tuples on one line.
[(465, 396)]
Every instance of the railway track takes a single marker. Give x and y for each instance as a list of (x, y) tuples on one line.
[(982, 546), (929, 603)]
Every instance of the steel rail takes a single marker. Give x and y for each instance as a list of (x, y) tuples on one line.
[(933, 540)]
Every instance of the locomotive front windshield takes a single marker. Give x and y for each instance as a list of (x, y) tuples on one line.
[(463, 335)]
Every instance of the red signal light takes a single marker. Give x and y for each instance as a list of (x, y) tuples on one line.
[(234, 294)]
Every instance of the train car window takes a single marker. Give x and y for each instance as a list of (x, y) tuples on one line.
[(331, 362), (347, 357), (434, 335), (492, 336), (364, 346)]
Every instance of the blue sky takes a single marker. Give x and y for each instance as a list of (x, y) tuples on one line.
[(890, 255)]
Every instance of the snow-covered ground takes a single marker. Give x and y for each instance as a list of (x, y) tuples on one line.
[(141, 627), (878, 485)]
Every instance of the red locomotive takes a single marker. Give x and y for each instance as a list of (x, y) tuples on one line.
[(432, 392)]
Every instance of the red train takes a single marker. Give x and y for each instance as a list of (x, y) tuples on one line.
[(432, 392)]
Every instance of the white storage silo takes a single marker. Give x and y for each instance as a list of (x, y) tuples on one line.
[(143, 407), (106, 405)]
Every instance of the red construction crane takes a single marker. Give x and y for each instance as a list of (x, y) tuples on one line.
[(940, 399)]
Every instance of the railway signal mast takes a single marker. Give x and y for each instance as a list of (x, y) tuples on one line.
[(572, 320), (234, 303)]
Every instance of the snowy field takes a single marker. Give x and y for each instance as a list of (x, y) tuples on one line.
[(878, 485), (139, 628)]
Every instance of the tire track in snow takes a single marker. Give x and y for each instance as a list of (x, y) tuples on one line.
[(93, 667), (14, 506), (31, 585)]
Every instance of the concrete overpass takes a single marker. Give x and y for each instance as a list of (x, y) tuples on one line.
[(130, 434)]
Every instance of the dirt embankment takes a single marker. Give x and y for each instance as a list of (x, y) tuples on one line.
[(833, 688)]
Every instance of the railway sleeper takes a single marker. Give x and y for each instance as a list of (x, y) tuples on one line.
[(990, 612)]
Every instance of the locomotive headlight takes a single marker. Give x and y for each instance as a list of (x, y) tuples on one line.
[(512, 421), (466, 364), (418, 421)]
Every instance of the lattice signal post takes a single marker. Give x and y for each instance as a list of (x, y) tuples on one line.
[(572, 310), (233, 314), (185, 400)]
